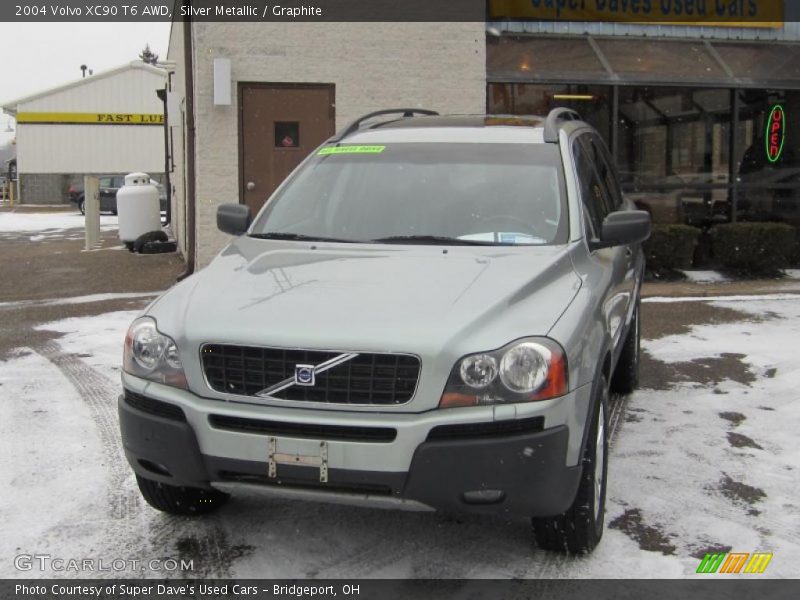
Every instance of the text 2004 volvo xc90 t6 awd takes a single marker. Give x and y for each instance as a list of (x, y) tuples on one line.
[(428, 313)]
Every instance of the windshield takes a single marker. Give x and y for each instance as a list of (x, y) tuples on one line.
[(471, 193)]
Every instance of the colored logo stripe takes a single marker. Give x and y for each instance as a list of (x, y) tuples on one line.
[(758, 562), (711, 562), (735, 563), (91, 118)]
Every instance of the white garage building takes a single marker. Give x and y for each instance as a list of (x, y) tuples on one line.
[(105, 124)]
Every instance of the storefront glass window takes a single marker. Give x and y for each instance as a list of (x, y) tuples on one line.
[(674, 156), (768, 156), (592, 102), (676, 149)]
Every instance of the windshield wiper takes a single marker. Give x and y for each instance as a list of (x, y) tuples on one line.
[(438, 240), (300, 237)]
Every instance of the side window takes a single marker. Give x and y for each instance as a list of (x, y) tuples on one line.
[(594, 195), (105, 182), (605, 168)]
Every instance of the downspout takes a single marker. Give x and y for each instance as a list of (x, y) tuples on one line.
[(190, 138), (162, 94)]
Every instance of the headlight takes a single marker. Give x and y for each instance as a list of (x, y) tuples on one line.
[(152, 355), (147, 344), (524, 367), (524, 371), (478, 371)]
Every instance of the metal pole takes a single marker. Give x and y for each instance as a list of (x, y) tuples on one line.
[(91, 206), (734, 152), (615, 122), (189, 128)]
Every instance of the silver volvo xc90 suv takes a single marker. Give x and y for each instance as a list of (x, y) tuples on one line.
[(429, 313)]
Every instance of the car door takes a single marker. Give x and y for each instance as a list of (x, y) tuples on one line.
[(615, 280)]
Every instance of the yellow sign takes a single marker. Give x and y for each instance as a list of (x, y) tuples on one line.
[(725, 13), (91, 118)]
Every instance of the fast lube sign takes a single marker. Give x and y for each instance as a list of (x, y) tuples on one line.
[(775, 134)]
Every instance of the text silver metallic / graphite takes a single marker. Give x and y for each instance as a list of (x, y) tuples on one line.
[(275, 10)]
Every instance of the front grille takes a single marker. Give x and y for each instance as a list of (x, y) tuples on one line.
[(382, 379), (486, 430), (300, 430), (154, 407)]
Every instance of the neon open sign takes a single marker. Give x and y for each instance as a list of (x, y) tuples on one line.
[(775, 134)]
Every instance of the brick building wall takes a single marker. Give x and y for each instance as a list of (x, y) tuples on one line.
[(43, 188)]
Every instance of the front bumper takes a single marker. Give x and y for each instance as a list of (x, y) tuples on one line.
[(458, 460)]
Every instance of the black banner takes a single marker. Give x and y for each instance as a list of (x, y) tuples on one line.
[(704, 587), (737, 13)]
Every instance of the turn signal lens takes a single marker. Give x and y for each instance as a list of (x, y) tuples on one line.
[(454, 400)]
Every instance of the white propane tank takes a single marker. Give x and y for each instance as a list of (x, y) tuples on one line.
[(138, 207)]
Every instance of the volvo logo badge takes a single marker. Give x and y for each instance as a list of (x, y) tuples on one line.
[(304, 375)]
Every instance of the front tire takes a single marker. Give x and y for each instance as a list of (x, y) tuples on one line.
[(579, 529), (180, 500), (82, 206)]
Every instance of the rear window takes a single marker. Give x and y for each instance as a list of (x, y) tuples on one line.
[(483, 192)]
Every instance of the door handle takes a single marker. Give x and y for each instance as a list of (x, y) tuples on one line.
[(251, 186)]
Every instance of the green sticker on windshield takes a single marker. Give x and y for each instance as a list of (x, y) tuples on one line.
[(351, 150)]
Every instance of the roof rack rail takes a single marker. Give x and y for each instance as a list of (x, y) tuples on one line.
[(355, 125), (551, 124)]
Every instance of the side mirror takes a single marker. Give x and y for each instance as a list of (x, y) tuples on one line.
[(624, 227), (233, 218)]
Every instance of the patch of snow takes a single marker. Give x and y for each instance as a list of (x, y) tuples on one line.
[(736, 299), (51, 222), (51, 474), (680, 442), (79, 299), (98, 341), (705, 276)]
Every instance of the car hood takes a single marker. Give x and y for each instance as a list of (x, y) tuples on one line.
[(370, 297), (436, 303)]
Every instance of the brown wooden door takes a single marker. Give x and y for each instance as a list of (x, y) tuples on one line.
[(279, 125)]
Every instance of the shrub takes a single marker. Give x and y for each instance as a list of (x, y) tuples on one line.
[(754, 248), (670, 247)]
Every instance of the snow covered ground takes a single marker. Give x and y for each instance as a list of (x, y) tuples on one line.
[(705, 463), (42, 225)]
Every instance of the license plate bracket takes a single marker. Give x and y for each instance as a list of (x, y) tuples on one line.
[(301, 460)]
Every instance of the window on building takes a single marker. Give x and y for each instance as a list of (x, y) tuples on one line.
[(287, 134), (592, 102), (767, 156)]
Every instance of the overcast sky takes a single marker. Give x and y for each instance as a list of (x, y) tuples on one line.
[(38, 56)]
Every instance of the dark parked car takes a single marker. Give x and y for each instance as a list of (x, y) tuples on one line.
[(109, 186)]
